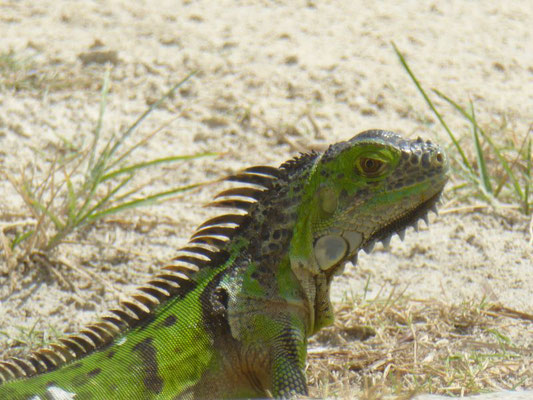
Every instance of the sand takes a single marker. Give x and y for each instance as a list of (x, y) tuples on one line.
[(273, 79)]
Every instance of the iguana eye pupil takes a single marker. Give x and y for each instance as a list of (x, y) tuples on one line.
[(371, 166)]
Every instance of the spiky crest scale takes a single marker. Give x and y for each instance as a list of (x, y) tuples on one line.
[(210, 241), (215, 230), (174, 279), (247, 192), (235, 219), (296, 163)]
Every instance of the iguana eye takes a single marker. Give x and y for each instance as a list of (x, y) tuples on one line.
[(371, 167)]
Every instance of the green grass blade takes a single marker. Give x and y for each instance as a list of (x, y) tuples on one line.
[(42, 209), (143, 201), (20, 238), (98, 169), (124, 196), (483, 174), (140, 143), (503, 180), (84, 218), (88, 195), (501, 158), (432, 107), (152, 107), (134, 167), (71, 199), (94, 178)]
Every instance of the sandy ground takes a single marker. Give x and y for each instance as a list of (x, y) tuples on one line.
[(274, 78)]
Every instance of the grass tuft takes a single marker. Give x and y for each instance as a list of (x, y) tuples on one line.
[(20, 72), (30, 338), (498, 173), (420, 346), (84, 185), (16, 71), (23, 72)]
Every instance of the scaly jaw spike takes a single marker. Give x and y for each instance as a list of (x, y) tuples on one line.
[(425, 219), (369, 247), (415, 225), (434, 209), (386, 242), (401, 234)]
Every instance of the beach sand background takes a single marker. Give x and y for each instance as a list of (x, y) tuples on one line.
[(273, 78)]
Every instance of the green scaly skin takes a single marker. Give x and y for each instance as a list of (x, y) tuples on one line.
[(231, 317)]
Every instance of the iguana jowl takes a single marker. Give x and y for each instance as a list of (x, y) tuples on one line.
[(231, 316)]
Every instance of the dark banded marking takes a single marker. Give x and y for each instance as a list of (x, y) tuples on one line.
[(148, 353)]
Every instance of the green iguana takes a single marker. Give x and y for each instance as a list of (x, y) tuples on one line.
[(231, 316)]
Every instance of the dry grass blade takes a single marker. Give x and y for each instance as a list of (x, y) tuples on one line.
[(528, 177), (483, 174), (421, 346)]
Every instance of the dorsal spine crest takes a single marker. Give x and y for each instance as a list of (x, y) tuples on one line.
[(205, 248)]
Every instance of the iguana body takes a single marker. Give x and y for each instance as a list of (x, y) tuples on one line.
[(232, 316)]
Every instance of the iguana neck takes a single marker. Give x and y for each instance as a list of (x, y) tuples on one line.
[(262, 278)]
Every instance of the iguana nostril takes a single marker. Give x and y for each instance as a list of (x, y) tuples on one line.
[(438, 158)]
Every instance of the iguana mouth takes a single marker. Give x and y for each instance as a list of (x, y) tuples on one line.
[(398, 226)]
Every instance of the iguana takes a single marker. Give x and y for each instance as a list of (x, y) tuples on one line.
[(230, 317)]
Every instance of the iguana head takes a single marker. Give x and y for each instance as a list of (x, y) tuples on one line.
[(360, 191)]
